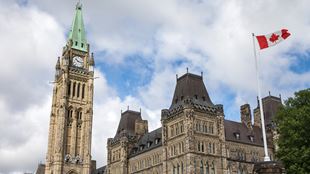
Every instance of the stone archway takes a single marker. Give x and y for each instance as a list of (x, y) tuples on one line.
[(72, 172)]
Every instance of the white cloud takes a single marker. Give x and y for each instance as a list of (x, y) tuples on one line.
[(30, 43)]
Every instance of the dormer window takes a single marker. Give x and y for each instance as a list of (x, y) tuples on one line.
[(176, 100), (149, 143), (196, 97), (82, 45), (141, 147), (251, 137), (237, 135), (204, 98), (76, 43), (157, 140)]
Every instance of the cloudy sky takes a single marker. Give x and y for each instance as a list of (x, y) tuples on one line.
[(139, 47)]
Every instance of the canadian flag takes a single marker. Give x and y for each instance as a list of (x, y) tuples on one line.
[(272, 39)]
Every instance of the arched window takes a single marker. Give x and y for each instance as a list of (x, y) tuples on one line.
[(79, 116), (178, 169), (83, 91), (239, 170), (201, 167), (207, 168), (195, 167), (78, 91), (174, 170), (73, 90), (228, 169), (244, 170), (212, 168), (210, 148), (211, 129), (181, 168), (181, 127), (68, 131)]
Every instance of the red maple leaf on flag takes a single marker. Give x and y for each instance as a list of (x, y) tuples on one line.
[(274, 37)]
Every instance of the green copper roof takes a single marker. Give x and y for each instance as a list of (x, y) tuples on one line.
[(77, 33)]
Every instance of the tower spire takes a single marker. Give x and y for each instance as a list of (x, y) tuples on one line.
[(77, 33)]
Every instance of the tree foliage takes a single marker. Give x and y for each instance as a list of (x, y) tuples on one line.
[(293, 126)]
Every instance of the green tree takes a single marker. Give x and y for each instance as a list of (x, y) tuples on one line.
[(293, 126)]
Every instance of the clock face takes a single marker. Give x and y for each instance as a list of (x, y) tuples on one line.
[(78, 61)]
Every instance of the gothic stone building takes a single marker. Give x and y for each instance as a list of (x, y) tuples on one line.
[(70, 130), (195, 137)]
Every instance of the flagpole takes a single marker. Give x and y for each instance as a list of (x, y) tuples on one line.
[(266, 158)]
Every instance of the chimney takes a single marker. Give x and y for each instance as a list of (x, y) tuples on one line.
[(246, 117), (141, 127)]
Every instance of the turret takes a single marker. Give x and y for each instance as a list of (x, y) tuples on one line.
[(91, 62), (57, 67)]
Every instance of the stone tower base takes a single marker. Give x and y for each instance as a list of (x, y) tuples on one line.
[(269, 167)]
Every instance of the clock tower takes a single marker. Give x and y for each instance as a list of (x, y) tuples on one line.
[(70, 131)]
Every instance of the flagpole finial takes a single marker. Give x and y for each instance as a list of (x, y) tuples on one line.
[(186, 69)]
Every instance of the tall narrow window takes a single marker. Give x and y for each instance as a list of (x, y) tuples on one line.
[(83, 90), (212, 168), (69, 88), (78, 91), (201, 167), (78, 133), (195, 166), (80, 115), (181, 126), (73, 90), (181, 168), (68, 131), (207, 168)]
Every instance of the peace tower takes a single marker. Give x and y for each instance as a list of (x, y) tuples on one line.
[(70, 129)]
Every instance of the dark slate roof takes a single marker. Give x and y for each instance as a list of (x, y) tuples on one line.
[(190, 86), (145, 140), (127, 122), (231, 128), (100, 170)]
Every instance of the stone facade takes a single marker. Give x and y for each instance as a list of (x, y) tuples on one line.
[(194, 137), (70, 130)]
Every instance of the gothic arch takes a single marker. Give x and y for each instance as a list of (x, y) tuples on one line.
[(72, 172)]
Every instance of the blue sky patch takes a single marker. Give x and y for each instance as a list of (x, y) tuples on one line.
[(126, 77), (301, 63)]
